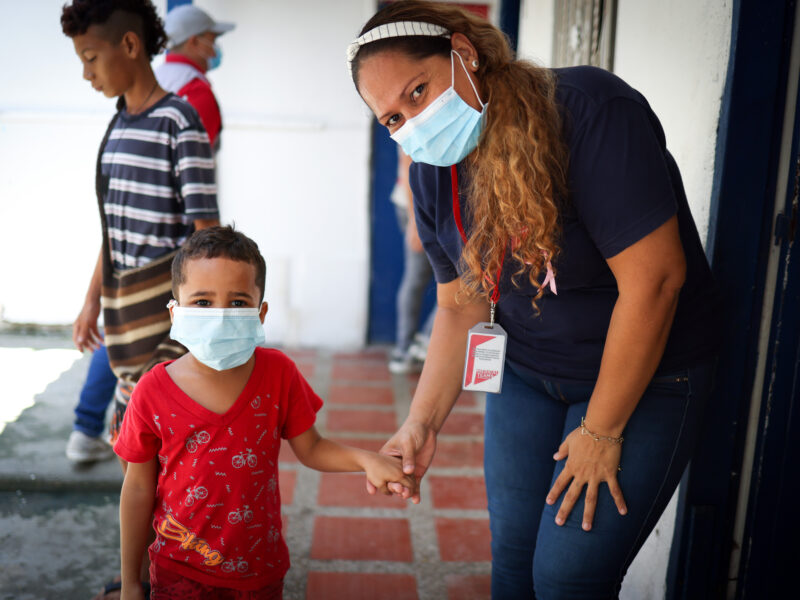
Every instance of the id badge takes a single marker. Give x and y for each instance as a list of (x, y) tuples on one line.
[(486, 356)]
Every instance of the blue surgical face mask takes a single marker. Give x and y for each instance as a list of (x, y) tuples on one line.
[(214, 61), (447, 130), (220, 338)]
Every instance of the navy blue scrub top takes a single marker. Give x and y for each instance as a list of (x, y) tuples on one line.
[(623, 184)]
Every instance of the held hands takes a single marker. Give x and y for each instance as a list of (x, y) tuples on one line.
[(385, 474), (415, 444), (589, 463), (85, 334)]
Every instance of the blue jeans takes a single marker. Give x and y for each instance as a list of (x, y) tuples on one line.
[(96, 395), (525, 424), (417, 274)]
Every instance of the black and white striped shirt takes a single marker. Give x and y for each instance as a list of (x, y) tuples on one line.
[(161, 177)]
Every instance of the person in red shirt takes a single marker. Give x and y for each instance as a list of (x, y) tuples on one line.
[(193, 51), (202, 435)]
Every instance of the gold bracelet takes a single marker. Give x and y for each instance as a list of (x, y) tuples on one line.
[(597, 438)]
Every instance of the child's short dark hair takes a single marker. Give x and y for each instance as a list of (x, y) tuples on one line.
[(219, 242), (117, 17)]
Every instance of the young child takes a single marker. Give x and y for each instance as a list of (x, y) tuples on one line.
[(202, 435)]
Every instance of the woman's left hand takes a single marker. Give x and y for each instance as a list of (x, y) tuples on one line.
[(589, 463)]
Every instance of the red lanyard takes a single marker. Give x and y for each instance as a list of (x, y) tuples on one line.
[(495, 298)]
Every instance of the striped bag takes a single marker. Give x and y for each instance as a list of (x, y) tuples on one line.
[(134, 303)]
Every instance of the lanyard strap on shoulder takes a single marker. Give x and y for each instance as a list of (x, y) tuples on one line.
[(495, 297)]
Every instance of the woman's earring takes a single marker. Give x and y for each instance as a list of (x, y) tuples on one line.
[(474, 64)]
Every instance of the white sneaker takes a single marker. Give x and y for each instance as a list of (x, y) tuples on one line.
[(419, 347), (400, 364), (85, 448)]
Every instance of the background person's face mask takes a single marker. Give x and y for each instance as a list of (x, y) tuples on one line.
[(447, 130), (220, 338), (214, 61)]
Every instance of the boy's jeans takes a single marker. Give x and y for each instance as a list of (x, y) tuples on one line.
[(525, 424), (96, 395)]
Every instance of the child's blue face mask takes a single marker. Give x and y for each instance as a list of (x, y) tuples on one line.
[(447, 130), (220, 338)]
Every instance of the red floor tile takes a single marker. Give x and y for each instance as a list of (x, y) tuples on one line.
[(464, 540), (286, 455), (362, 421), (300, 354), (306, 369), (462, 423), (465, 400), (349, 489), (414, 378), (287, 480), (468, 587), (361, 586), (361, 539), (458, 492), (360, 394), (369, 354), (361, 371), (458, 454), (365, 444)]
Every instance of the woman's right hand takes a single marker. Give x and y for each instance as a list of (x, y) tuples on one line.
[(85, 334), (415, 444)]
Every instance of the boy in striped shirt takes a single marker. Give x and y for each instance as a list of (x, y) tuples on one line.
[(156, 178)]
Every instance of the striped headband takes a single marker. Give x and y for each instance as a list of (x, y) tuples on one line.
[(390, 30)]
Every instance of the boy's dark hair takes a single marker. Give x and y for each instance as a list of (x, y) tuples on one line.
[(219, 242), (116, 17)]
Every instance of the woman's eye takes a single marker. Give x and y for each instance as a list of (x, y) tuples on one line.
[(417, 92), (393, 120)]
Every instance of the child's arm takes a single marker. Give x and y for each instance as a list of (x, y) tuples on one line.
[(135, 519), (322, 454)]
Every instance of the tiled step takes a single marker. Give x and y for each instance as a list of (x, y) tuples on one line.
[(349, 545)]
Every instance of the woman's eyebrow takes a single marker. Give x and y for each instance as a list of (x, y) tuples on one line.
[(403, 93)]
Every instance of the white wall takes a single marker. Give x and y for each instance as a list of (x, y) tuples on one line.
[(51, 123), (676, 54), (536, 22), (293, 169)]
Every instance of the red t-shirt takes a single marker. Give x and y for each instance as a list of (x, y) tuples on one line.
[(182, 76), (218, 513)]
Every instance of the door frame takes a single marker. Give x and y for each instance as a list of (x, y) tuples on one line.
[(740, 236)]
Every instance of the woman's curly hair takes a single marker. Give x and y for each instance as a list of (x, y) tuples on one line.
[(517, 174), (77, 17)]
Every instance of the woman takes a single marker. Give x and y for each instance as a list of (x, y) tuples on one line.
[(562, 176)]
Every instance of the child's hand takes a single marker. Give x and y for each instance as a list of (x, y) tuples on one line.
[(386, 474)]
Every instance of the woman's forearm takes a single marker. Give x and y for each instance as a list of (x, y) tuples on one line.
[(440, 382), (637, 335)]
